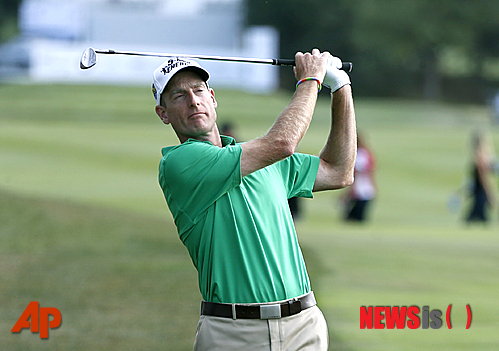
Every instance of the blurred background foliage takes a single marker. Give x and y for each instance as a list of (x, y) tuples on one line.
[(8, 18), (439, 50)]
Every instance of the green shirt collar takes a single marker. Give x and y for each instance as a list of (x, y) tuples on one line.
[(226, 140)]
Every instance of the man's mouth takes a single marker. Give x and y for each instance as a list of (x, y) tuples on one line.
[(197, 115)]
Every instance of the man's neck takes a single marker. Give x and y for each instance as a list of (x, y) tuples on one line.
[(213, 137)]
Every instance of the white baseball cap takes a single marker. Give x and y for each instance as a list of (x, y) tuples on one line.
[(169, 68)]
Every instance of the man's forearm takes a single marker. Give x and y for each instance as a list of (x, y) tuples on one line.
[(283, 137), (338, 155), (293, 122)]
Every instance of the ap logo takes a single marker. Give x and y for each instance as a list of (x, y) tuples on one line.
[(39, 321)]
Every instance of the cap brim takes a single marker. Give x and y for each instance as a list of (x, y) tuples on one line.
[(202, 73)]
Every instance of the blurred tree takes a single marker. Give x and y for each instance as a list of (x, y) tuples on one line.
[(412, 39), (410, 48), (8, 18), (304, 25)]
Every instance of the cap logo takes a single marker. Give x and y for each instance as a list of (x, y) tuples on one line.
[(172, 64), (154, 91)]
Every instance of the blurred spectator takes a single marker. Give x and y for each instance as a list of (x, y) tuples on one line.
[(495, 107), (481, 189), (227, 129), (364, 188), (295, 207)]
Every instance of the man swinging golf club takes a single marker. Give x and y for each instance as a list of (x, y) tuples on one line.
[(229, 203)]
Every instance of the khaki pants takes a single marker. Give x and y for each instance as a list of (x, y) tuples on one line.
[(305, 331)]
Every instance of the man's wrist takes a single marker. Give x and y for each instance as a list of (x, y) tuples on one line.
[(342, 90), (307, 79)]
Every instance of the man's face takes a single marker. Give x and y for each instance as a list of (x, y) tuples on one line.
[(190, 106)]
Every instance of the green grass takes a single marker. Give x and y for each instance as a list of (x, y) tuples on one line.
[(117, 278), (84, 226)]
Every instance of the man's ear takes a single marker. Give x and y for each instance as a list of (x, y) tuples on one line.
[(215, 103), (161, 112)]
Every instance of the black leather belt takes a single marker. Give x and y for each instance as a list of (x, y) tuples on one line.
[(259, 311)]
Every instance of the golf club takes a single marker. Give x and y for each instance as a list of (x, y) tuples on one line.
[(89, 58)]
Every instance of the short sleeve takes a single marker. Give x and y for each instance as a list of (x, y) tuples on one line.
[(299, 172)]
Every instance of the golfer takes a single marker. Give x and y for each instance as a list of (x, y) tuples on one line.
[(229, 203)]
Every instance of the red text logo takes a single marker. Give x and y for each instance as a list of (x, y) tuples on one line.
[(395, 317), (39, 319)]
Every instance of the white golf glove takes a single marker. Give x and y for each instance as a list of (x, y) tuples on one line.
[(335, 77)]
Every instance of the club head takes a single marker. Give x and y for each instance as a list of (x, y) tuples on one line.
[(88, 59)]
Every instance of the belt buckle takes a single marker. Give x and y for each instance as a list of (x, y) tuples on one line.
[(270, 311)]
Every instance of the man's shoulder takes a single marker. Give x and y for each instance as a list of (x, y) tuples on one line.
[(198, 153), (186, 146), (185, 151)]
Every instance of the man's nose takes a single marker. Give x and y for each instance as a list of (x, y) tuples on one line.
[(194, 99)]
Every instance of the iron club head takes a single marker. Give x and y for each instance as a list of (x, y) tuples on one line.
[(88, 59)]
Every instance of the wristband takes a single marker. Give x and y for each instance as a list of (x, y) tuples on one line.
[(310, 78)]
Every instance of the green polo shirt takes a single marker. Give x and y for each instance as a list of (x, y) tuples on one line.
[(239, 231)]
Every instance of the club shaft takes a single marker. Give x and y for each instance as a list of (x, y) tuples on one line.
[(347, 66), (200, 57)]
